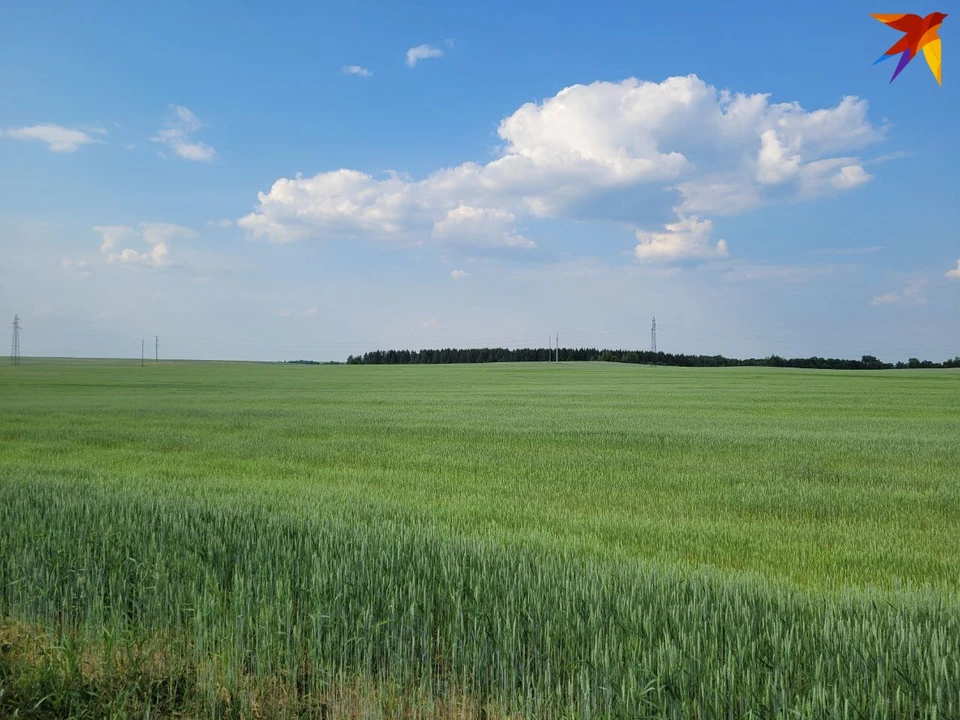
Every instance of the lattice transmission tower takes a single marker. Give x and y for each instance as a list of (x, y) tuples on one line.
[(653, 335), (15, 348)]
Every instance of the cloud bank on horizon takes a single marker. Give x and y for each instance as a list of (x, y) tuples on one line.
[(658, 158)]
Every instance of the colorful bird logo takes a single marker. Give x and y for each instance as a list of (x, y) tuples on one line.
[(921, 33)]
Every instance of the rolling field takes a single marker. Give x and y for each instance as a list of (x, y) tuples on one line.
[(572, 540)]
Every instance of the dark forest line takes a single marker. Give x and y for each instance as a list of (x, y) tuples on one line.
[(643, 357)]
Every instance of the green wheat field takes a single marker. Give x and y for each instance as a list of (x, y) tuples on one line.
[(241, 540)]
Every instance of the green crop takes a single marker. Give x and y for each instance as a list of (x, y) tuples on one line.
[(544, 541)]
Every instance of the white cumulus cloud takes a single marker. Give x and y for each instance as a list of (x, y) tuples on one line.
[(633, 152), (157, 238), (422, 52), (955, 273), (459, 275), (356, 70), (776, 162), (177, 135), (57, 137), (480, 226), (341, 202), (850, 176), (685, 239)]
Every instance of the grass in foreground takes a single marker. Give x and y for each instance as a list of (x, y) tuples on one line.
[(519, 537)]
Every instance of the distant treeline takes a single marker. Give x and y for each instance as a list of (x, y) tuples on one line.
[(486, 355), (311, 362)]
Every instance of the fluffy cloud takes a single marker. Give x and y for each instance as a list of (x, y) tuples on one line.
[(774, 165), (849, 177), (686, 239), (480, 226), (342, 202), (422, 52), (113, 235), (912, 294), (632, 152), (356, 70), (177, 134), (156, 236), (459, 275), (57, 138), (955, 273)]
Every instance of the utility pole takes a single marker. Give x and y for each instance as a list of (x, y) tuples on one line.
[(15, 348), (558, 347), (157, 348), (141, 352), (550, 348), (653, 339)]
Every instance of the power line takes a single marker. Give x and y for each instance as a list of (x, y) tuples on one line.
[(15, 348)]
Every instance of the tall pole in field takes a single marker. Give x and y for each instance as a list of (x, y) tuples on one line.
[(141, 352), (653, 339), (157, 349), (15, 347), (558, 347)]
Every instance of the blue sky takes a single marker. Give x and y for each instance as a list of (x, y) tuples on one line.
[(273, 184)]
